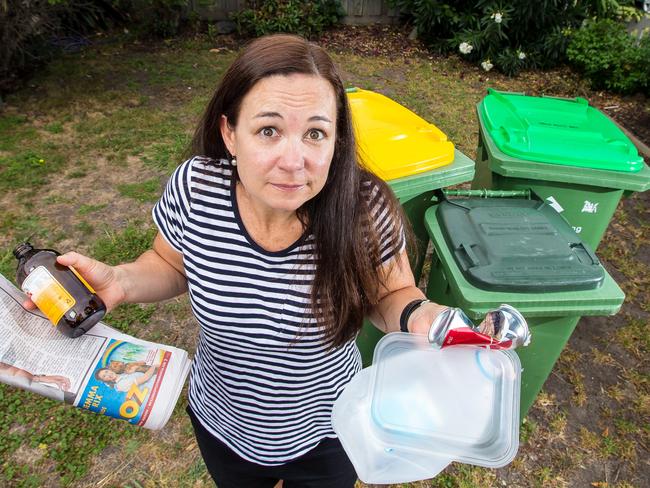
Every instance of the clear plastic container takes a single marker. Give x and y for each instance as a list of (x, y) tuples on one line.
[(461, 402), (418, 408), (374, 461)]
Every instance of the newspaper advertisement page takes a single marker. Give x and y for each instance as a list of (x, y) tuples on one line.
[(103, 371), (126, 381)]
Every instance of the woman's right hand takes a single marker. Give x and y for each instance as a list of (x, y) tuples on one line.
[(103, 278)]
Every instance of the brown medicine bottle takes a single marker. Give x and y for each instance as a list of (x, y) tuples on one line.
[(58, 291)]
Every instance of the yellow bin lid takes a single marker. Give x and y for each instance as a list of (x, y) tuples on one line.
[(393, 141)]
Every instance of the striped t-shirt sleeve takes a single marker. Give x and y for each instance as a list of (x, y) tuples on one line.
[(391, 234), (171, 212)]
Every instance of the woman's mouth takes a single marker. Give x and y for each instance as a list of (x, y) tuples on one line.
[(286, 187)]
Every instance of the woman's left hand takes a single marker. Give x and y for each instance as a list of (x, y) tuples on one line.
[(422, 317)]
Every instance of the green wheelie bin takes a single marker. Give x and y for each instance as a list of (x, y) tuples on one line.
[(490, 251), (415, 158), (567, 152)]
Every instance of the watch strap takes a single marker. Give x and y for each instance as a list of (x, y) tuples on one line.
[(408, 310)]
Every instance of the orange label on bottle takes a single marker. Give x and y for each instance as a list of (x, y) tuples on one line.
[(82, 279), (48, 294)]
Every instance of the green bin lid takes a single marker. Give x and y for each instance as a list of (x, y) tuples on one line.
[(517, 245), (461, 170), (557, 131), (512, 167), (476, 302)]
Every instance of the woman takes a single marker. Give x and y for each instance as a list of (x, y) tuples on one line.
[(285, 243), (124, 381), (24, 379)]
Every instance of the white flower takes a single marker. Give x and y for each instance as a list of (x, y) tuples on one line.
[(521, 55), (487, 65), (465, 47), (497, 16)]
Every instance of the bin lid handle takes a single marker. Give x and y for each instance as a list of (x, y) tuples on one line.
[(469, 253), (579, 100), (586, 250)]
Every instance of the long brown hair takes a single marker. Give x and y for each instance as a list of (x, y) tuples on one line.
[(348, 261)]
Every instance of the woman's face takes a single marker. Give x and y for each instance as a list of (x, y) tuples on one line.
[(107, 375), (284, 140)]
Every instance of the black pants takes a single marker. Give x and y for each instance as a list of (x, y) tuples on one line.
[(325, 466)]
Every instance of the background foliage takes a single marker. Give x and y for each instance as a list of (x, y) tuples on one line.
[(610, 58), (32, 30), (506, 34), (159, 18), (304, 17)]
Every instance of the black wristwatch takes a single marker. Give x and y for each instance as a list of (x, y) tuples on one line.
[(408, 310)]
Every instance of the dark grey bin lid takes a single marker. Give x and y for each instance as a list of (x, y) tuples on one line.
[(517, 245)]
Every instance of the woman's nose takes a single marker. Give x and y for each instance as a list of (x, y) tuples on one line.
[(292, 157)]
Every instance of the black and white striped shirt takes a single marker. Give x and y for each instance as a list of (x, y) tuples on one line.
[(263, 380)]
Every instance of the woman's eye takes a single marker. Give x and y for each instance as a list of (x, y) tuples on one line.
[(315, 135), (268, 132)]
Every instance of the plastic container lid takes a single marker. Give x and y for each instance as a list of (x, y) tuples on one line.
[(461, 402), (517, 245), (556, 131), (393, 141), (476, 302)]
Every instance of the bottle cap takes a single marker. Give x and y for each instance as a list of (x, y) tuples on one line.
[(21, 249)]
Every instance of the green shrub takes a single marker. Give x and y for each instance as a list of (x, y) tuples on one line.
[(505, 34), (158, 18), (610, 58), (31, 32), (303, 17)]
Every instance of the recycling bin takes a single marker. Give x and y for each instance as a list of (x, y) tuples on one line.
[(490, 251), (567, 152), (415, 158)]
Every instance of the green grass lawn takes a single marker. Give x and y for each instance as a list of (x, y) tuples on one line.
[(85, 150)]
